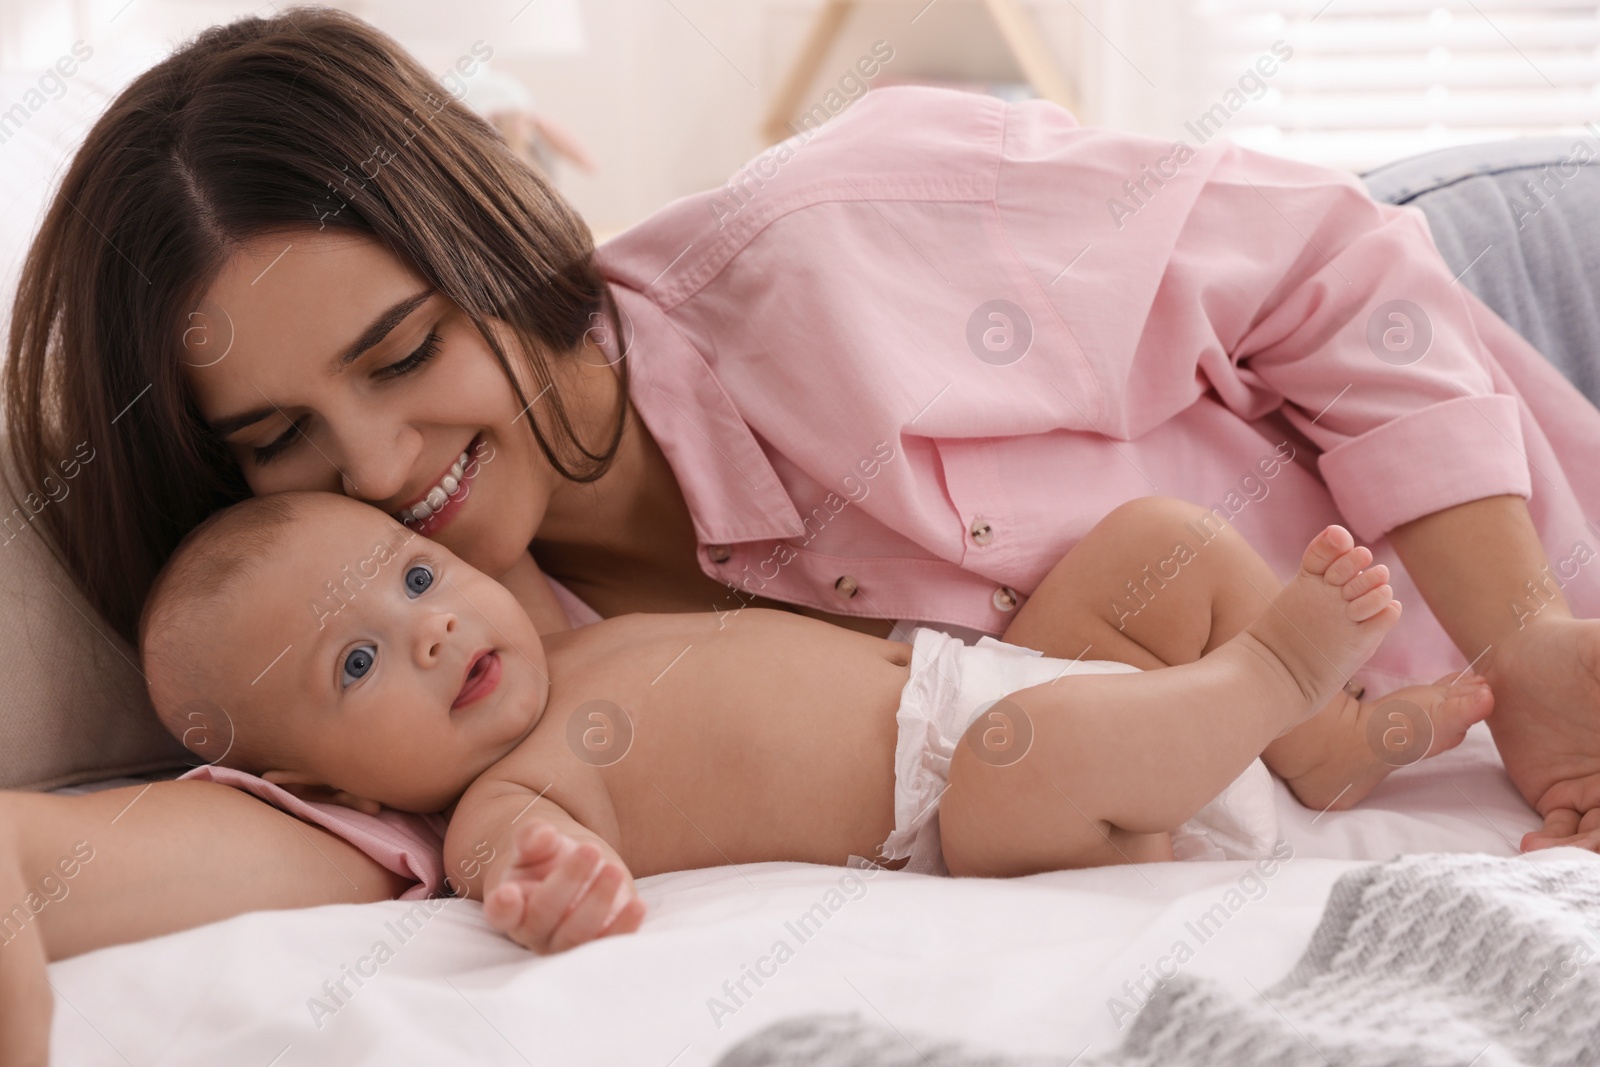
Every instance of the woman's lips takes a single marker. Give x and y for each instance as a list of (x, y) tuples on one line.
[(483, 674), (453, 501)]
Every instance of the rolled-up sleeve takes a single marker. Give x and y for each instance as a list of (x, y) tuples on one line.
[(1411, 453), (1353, 318), (1279, 285)]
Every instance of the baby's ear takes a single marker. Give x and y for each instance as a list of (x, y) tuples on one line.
[(306, 787)]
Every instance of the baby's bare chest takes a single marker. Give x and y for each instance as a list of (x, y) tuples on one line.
[(659, 728)]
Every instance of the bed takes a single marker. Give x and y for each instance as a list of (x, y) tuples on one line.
[(1055, 966), (1049, 964)]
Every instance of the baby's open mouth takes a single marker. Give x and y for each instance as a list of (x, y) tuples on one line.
[(483, 674)]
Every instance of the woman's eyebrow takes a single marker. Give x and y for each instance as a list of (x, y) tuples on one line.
[(231, 424), (380, 327), (373, 335)]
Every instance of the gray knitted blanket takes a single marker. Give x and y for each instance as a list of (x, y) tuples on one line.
[(1426, 961)]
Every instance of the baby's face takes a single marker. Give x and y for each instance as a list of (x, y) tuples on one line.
[(395, 671)]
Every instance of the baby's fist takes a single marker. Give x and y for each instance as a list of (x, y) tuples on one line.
[(559, 893)]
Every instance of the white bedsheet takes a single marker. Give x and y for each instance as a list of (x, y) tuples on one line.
[(1029, 965)]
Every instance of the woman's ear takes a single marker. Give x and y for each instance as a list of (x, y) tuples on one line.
[(306, 787)]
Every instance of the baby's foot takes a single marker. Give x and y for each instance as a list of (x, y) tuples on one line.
[(1337, 757), (1326, 622)]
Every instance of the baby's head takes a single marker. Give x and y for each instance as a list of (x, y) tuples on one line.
[(316, 641)]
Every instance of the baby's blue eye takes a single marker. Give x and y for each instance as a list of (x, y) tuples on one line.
[(357, 663), (418, 579)]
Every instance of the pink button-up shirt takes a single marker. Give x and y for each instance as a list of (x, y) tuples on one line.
[(902, 366)]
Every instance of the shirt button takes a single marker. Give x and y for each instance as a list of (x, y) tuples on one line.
[(1005, 598), (846, 587), (982, 532), (719, 553)]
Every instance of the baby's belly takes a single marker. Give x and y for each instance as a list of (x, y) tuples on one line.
[(782, 761)]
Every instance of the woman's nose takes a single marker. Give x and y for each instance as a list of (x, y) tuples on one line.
[(433, 636), (376, 463)]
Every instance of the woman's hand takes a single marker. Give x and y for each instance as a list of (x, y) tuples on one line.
[(1475, 564), (1564, 826), (1546, 722)]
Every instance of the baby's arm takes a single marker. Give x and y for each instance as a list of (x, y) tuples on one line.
[(546, 881)]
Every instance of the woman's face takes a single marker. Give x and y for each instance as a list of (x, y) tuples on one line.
[(325, 363)]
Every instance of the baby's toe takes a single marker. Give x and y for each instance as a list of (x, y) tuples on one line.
[(1463, 705), (1364, 582), (1348, 565), (1371, 603), (1325, 548)]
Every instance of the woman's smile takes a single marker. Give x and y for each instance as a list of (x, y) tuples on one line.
[(349, 404), (432, 511)]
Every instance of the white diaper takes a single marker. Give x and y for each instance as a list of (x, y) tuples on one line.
[(952, 684)]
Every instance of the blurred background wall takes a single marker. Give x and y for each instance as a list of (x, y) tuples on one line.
[(669, 96)]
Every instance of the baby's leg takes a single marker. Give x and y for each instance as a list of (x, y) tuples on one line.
[(1160, 581), (1136, 754), (1143, 587)]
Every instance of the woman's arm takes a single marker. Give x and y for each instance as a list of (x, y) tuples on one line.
[(1283, 285), (81, 873), (1483, 571), (1472, 563), (171, 856), (25, 995)]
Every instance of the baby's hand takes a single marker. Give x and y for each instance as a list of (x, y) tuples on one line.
[(559, 893)]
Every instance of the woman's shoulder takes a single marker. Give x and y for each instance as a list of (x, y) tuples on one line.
[(897, 132), (911, 116), (898, 142)]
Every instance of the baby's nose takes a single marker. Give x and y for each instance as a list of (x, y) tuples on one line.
[(440, 627)]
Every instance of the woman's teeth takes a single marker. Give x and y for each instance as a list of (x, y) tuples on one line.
[(438, 494)]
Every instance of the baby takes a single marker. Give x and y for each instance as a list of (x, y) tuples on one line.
[(579, 760)]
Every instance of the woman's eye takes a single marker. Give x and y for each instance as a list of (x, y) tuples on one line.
[(357, 662), (418, 579), (424, 352), (270, 451)]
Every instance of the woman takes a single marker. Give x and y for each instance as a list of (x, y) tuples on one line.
[(891, 371)]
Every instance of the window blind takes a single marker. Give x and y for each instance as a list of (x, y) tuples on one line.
[(1370, 81)]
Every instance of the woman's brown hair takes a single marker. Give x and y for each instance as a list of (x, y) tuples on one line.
[(309, 118)]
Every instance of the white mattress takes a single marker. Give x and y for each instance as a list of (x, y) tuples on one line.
[(1025, 966)]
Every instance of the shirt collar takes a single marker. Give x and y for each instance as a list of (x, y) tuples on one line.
[(732, 491)]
